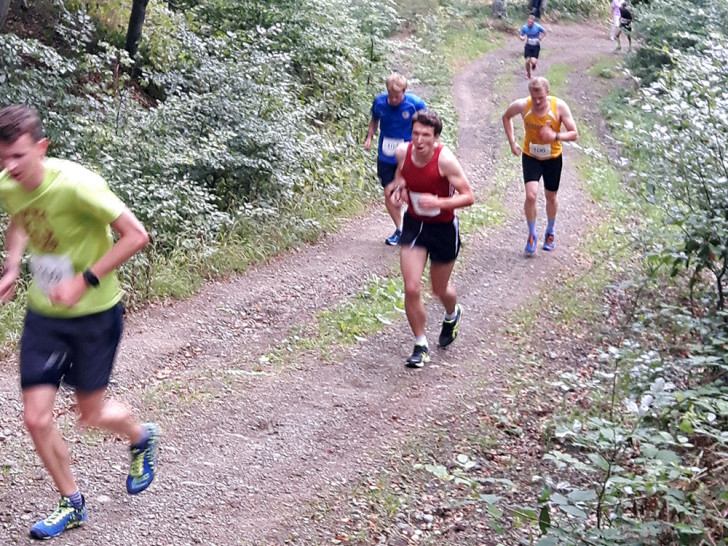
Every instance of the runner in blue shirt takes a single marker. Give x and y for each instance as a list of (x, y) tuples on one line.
[(392, 110), (532, 33)]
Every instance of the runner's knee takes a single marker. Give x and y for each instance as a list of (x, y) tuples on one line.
[(38, 422)]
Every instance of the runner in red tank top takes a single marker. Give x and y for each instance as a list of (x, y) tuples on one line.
[(431, 181)]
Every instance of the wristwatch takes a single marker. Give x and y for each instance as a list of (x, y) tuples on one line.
[(91, 279)]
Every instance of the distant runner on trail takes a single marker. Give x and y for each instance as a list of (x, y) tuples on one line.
[(430, 179), (64, 214), (625, 26), (543, 117), (616, 14), (393, 111), (532, 33)]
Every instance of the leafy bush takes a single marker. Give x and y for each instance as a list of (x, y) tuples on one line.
[(685, 172)]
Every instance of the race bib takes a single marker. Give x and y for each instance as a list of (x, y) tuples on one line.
[(389, 145), (542, 151), (415, 201), (533, 41), (50, 269)]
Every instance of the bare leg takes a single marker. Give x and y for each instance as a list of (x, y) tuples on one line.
[(395, 211), (412, 262), (529, 207), (52, 450), (552, 203), (441, 287), (108, 415)]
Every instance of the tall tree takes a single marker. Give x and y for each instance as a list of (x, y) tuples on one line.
[(136, 23)]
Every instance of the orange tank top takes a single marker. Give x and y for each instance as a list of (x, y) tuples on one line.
[(532, 144)]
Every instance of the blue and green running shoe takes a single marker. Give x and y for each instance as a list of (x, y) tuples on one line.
[(143, 462), (65, 517)]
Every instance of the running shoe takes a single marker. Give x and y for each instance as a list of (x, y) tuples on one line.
[(394, 239), (143, 462), (419, 357), (531, 244), (450, 328), (548, 243), (65, 517)]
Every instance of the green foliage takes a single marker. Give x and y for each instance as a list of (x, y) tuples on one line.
[(686, 172), (576, 8)]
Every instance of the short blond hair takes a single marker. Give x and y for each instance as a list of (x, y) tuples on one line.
[(396, 82), (539, 83)]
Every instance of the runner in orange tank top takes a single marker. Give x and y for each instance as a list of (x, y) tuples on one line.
[(543, 117), (431, 181)]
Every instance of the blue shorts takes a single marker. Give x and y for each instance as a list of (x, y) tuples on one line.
[(79, 351), (385, 172)]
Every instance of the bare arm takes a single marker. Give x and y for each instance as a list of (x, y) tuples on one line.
[(16, 239), (132, 239), (399, 194), (567, 120), (516, 107), (373, 126)]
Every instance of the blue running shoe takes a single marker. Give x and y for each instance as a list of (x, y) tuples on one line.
[(143, 462), (548, 243), (65, 517), (394, 239), (531, 244), (419, 357)]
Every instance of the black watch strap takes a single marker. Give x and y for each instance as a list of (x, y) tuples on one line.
[(90, 278)]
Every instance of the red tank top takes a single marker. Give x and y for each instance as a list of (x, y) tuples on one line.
[(426, 179)]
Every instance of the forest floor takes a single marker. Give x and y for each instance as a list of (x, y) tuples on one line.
[(294, 448)]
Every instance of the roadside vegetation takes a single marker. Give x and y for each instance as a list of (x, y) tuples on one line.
[(232, 123)]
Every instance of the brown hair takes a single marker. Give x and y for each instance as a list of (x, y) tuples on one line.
[(17, 120), (429, 118)]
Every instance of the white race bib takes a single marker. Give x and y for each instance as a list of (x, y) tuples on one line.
[(389, 145), (414, 198), (542, 151), (533, 41), (50, 269)]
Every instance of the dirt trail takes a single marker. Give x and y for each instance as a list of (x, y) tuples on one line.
[(247, 443)]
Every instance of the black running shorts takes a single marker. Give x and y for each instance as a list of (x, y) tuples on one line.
[(531, 51), (441, 240), (79, 351), (550, 169)]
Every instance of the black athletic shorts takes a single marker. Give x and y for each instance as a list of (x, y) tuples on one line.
[(531, 51), (441, 240), (550, 169), (385, 172), (79, 351)]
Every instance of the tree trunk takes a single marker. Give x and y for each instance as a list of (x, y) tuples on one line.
[(136, 23), (4, 6)]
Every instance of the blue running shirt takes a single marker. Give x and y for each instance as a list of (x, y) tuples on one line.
[(532, 33), (395, 123)]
